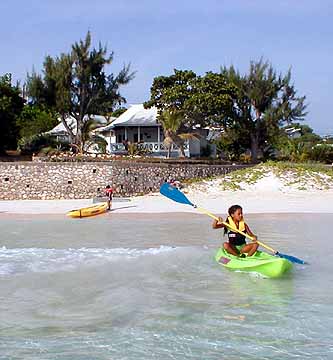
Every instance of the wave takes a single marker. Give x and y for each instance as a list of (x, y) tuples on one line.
[(22, 260)]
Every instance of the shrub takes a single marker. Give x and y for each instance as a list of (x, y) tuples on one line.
[(35, 143), (322, 153)]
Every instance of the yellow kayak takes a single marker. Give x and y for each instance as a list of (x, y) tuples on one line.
[(88, 211)]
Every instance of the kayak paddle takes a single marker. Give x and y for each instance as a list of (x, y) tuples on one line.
[(174, 194)]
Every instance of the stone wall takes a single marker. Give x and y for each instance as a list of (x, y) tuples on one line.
[(29, 180)]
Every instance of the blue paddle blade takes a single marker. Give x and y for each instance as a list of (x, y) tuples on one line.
[(174, 194), (291, 258)]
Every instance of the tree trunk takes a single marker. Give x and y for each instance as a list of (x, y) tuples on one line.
[(68, 129), (255, 135), (79, 133), (169, 151), (254, 148), (180, 143), (181, 149)]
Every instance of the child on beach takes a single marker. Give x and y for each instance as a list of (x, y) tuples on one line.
[(237, 245), (109, 194)]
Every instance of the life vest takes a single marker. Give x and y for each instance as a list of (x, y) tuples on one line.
[(234, 237)]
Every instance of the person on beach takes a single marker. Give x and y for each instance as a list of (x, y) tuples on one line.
[(109, 194), (237, 245)]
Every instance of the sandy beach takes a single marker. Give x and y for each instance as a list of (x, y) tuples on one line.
[(252, 202), (269, 194)]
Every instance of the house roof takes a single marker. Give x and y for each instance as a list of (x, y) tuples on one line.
[(108, 127), (61, 130), (137, 115)]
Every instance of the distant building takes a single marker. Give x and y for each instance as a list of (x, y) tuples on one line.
[(293, 133), (139, 125), (60, 132)]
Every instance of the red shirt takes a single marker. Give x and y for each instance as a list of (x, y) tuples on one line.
[(109, 193)]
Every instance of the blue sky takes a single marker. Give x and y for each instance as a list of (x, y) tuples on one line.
[(157, 36)]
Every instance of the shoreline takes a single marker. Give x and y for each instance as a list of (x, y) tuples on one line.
[(218, 203)]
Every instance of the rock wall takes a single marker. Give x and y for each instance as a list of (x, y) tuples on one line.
[(29, 180)]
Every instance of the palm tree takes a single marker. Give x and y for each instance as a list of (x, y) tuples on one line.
[(90, 138), (173, 124)]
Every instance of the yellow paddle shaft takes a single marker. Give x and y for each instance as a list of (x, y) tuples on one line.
[(204, 211)]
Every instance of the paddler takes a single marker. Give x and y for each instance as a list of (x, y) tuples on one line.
[(237, 245)]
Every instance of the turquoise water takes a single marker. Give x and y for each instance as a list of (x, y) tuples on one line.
[(147, 287)]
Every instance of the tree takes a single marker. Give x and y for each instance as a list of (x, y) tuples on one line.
[(174, 130), (116, 113), (184, 99), (202, 100), (171, 92), (35, 120), (91, 140), (211, 101), (11, 105), (264, 102), (76, 85)]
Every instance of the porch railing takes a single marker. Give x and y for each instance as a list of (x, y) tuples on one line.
[(149, 146)]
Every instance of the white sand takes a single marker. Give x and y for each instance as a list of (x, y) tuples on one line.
[(252, 202)]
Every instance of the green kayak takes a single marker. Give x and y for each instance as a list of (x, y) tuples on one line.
[(261, 262)]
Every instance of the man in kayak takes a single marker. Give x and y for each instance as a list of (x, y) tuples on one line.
[(237, 245), (109, 194)]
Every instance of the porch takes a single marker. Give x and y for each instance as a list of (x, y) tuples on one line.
[(155, 148), (147, 138)]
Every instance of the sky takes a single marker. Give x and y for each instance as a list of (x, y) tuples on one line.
[(157, 36)]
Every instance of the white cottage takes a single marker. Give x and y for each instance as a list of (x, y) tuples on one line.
[(60, 131), (139, 125), (136, 125)]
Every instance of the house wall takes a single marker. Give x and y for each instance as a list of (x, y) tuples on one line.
[(195, 146), (49, 180), (147, 134)]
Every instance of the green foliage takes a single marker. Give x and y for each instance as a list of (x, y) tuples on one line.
[(328, 140), (308, 147), (134, 149), (34, 143), (305, 129), (291, 150), (96, 143), (90, 140), (35, 120), (322, 153), (11, 105), (265, 100), (212, 100), (172, 122), (201, 99), (118, 112), (230, 146), (172, 92), (303, 176), (175, 130), (75, 84)]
